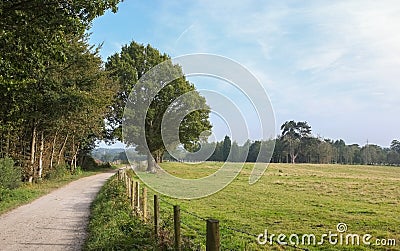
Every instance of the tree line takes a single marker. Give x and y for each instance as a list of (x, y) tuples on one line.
[(58, 97), (296, 144), (54, 89)]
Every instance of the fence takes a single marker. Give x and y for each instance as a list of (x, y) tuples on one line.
[(140, 206)]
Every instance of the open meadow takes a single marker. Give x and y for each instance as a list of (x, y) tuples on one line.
[(300, 199)]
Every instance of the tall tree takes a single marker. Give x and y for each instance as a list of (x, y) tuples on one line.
[(226, 148), (254, 150), (143, 124), (293, 134), (395, 146), (53, 86)]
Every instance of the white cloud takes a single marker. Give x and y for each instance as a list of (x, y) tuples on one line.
[(316, 59)]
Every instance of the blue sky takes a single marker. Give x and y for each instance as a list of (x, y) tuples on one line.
[(335, 64)]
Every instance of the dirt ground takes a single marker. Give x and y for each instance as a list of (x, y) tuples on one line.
[(56, 221)]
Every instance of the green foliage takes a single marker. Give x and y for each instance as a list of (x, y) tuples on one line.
[(294, 135), (10, 175), (105, 165), (50, 76), (154, 98), (226, 148), (78, 171), (89, 163), (254, 150), (112, 225), (395, 146), (59, 171)]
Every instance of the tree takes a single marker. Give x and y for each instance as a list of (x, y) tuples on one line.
[(340, 147), (141, 109), (226, 148), (235, 153), (395, 146), (254, 150), (310, 149), (53, 86), (218, 152), (293, 133)]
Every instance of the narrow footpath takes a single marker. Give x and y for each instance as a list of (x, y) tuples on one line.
[(56, 221)]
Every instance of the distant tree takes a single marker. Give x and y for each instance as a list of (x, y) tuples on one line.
[(373, 154), (226, 148), (121, 157), (340, 147), (395, 146), (393, 158), (310, 149), (293, 133), (218, 152), (244, 150), (235, 153), (254, 150), (279, 155)]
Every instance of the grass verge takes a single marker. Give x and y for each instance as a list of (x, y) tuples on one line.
[(112, 225)]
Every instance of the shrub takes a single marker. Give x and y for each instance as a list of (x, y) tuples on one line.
[(4, 193), (78, 171), (89, 163), (59, 171), (105, 165), (10, 175)]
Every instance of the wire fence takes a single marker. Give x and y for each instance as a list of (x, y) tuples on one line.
[(164, 214)]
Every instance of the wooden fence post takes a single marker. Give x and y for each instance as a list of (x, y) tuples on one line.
[(177, 228), (137, 197), (132, 197), (213, 241), (156, 215), (144, 204), (128, 186)]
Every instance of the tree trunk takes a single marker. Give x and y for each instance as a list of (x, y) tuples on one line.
[(293, 158), (41, 150), (72, 164), (8, 142), (150, 163), (74, 158), (53, 149), (33, 151), (62, 149)]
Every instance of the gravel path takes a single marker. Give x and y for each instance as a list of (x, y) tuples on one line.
[(56, 221)]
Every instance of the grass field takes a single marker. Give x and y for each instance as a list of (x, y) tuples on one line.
[(296, 199)]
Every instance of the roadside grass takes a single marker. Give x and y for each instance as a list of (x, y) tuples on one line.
[(295, 199), (112, 225), (26, 193)]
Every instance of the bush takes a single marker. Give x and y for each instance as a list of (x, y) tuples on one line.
[(10, 175), (78, 171), (105, 165), (59, 171), (4, 193), (89, 163)]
